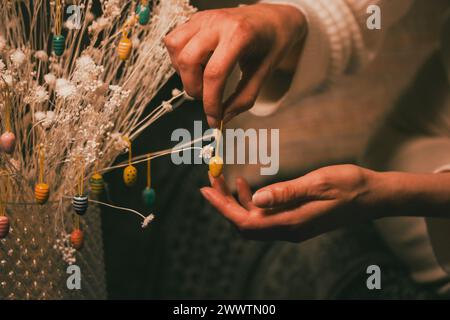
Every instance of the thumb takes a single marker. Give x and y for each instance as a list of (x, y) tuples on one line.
[(280, 194)]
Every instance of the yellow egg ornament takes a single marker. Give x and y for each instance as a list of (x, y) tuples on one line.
[(216, 166), (130, 175)]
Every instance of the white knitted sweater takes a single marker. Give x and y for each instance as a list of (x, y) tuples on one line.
[(338, 43)]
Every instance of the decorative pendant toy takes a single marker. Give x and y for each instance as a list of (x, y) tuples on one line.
[(80, 201), (149, 197), (130, 172), (4, 196), (80, 204), (41, 193), (215, 166), (143, 12), (130, 175), (148, 194), (58, 42), (41, 190), (4, 226), (97, 184), (124, 48), (8, 138), (8, 142), (216, 162), (77, 239)]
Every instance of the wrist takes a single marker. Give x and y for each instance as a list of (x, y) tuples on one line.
[(292, 31)]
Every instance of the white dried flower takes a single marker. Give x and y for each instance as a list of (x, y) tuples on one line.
[(135, 42), (41, 55), (50, 79), (119, 142), (207, 152), (64, 88), (18, 57), (39, 115), (37, 95)]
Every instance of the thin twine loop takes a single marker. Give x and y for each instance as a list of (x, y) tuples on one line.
[(219, 138), (148, 172), (41, 151), (6, 93), (58, 18)]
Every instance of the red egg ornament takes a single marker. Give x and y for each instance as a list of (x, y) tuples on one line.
[(77, 239), (8, 142), (4, 226)]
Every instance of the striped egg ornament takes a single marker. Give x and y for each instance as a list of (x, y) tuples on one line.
[(80, 204), (59, 44), (4, 226), (97, 184), (41, 193), (124, 48)]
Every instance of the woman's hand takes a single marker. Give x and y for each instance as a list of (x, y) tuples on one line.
[(259, 38), (300, 209)]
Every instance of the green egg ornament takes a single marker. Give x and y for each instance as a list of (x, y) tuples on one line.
[(143, 13), (59, 44), (149, 197)]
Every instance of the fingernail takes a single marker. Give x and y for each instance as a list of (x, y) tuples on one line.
[(211, 121), (263, 198)]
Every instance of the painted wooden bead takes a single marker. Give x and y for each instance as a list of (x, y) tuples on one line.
[(143, 13), (80, 204), (97, 183), (8, 142), (4, 226), (59, 44), (77, 239), (130, 176), (216, 166), (148, 197), (124, 48), (41, 193)]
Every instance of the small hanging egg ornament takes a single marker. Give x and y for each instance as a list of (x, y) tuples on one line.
[(80, 204), (124, 48), (130, 176), (41, 193), (4, 226), (77, 239), (143, 12), (216, 166), (97, 184), (8, 142), (148, 197), (59, 44)]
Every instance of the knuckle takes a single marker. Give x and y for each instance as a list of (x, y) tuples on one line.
[(248, 102), (185, 60), (170, 42), (243, 29), (213, 73)]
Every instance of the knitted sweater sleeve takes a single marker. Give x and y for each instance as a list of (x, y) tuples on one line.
[(338, 42)]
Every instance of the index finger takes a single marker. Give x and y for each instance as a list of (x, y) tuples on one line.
[(217, 71)]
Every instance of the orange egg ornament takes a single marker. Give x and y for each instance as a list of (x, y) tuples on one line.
[(216, 166), (77, 239), (41, 193), (4, 226), (124, 48)]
